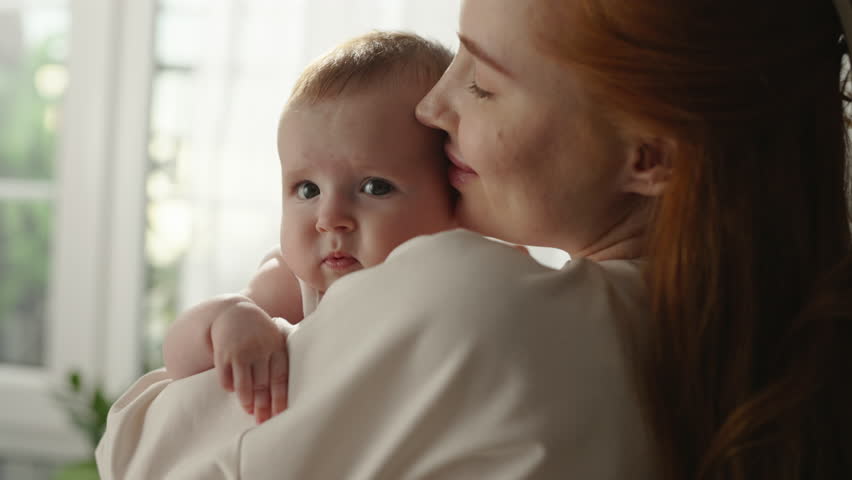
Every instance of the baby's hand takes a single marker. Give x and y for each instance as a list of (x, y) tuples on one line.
[(249, 354)]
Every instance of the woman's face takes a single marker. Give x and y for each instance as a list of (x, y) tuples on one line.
[(536, 162)]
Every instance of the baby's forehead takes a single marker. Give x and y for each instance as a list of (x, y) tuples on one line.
[(368, 126), (378, 111), (396, 155)]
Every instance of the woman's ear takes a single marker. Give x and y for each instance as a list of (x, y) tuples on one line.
[(649, 167)]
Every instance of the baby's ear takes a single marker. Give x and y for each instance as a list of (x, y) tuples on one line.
[(649, 167)]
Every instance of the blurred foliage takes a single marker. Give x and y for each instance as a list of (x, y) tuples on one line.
[(27, 144), (162, 284), (25, 233), (87, 470), (87, 407)]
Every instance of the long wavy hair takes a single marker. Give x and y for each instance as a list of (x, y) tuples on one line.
[(745, 369)]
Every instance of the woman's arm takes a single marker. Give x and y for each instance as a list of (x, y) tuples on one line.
[(457, 358), (275, 289)]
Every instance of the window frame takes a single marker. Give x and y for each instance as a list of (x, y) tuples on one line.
[(96, 276)]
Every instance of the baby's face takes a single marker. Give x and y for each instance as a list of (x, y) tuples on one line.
[(360, 176)]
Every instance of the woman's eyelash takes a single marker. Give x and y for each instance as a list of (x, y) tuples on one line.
[(478, 92)]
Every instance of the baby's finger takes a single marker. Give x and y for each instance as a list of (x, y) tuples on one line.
[(278, 377), (260, 374), (226, 376), (243, 387), (223, 371)]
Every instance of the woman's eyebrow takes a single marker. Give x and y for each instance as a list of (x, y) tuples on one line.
[(479, 53)]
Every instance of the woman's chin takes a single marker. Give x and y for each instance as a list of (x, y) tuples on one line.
[(478, 220)]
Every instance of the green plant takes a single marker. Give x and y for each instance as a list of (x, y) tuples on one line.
[(87, 407)]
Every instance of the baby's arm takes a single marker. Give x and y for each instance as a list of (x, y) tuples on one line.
[(235, 334), (275, 289)]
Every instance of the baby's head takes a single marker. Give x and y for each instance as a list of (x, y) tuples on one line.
[(360, 175)]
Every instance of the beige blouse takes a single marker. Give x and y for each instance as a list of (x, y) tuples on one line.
[(458, 358)]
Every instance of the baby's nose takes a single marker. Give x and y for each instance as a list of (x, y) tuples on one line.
[(334, 218)]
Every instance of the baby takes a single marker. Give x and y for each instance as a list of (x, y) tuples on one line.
[(359, 176)]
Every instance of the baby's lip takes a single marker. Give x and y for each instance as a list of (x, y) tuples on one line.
[(455, 159), (340, 261)]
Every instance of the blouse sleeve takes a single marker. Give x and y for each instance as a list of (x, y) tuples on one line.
[(456, 358)]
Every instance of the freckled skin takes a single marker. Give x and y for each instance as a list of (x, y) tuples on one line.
[(548, 162)]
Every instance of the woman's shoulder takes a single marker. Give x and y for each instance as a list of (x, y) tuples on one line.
[(529, 355), (472, 282), (463, 262)]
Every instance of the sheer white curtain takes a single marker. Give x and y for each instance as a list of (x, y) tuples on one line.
[(255, 55)]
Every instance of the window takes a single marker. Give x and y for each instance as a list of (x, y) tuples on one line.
[(143, 144), (33, 78), (69, 131)]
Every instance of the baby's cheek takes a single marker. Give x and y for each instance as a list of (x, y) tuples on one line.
[(379, 253), (373, 259), (451, 222), (297, 258)]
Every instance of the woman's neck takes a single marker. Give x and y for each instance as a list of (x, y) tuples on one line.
[(624, 240)]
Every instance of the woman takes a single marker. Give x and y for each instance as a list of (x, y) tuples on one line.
[(732, 114), (691, 157)]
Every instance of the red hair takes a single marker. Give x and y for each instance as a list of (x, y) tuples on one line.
[(745, 367)]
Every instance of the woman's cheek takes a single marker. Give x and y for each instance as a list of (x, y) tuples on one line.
[(474, 150)]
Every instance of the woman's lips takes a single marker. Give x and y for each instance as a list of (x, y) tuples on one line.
[(459, 173), (340, 261)]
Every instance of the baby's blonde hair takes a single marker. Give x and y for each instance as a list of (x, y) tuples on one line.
[(367, 58)]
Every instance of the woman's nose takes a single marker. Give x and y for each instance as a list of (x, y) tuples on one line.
[(433, 110), (335, 217)]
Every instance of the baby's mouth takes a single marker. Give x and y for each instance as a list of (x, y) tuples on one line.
[(340, 261)]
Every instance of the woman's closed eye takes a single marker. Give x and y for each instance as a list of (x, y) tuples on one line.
[(477, 91), (377, 187), (307, 190)]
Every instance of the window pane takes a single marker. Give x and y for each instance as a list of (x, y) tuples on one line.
[(25, 233), (33, 43)]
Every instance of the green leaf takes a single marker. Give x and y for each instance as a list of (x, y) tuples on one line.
[(87, 470), (100, 405), (74, 381)]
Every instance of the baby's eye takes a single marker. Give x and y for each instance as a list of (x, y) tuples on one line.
[(307, 190), (377, 187)]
